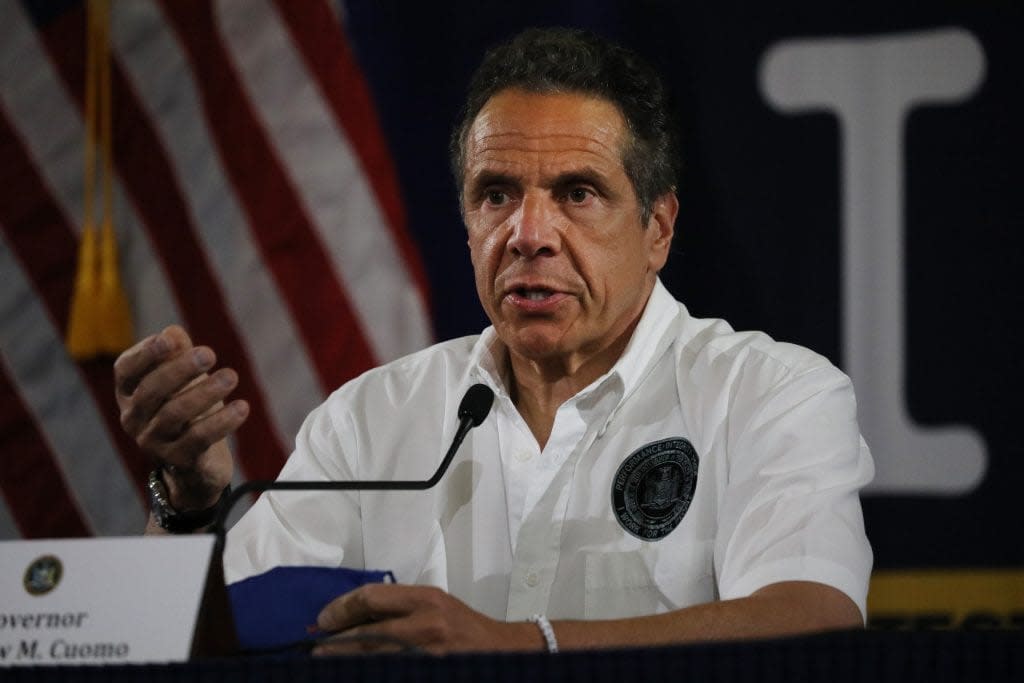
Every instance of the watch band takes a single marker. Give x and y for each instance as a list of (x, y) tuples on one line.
[(171, 520)]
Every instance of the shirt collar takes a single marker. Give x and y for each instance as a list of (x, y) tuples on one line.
[(489, 360)]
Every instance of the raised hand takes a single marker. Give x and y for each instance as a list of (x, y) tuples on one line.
[(173, 404)]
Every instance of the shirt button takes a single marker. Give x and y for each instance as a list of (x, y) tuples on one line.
[(523, 456), (532, 579)]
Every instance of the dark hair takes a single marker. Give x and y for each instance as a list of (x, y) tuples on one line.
[(554, 60)]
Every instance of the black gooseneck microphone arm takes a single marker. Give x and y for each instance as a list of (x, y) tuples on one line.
[(475, 406)]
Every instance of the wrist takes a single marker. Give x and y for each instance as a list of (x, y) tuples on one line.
[(546, 631), (167, 516), (189, 489)]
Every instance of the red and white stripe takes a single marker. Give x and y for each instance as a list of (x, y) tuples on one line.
[(257, 206)]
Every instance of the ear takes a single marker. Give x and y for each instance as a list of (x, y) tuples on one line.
[(661, 228)]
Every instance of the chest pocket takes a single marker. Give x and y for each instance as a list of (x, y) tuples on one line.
[(651, 580)]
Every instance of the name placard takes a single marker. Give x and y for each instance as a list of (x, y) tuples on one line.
[(101, 600)]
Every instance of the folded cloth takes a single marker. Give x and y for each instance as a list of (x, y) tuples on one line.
[(278, 608)]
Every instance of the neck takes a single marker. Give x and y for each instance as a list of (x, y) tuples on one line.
[(540, 386)]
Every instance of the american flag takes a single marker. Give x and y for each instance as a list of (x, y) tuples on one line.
[(256, 204)]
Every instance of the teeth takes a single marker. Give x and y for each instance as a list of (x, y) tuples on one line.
[(534, 294)]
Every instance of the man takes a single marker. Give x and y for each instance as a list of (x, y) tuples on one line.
[(644, 477)]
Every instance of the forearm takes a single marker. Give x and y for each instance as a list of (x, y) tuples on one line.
[(433, 620), (779, 610)]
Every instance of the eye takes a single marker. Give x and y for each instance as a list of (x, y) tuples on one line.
[(496, 197), (578, 195)]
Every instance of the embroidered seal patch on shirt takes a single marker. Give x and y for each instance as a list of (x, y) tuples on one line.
[(653, 488)]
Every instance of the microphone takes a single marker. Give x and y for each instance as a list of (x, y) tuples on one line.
[(473, 409)]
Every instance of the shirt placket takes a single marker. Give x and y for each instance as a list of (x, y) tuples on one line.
[(535, 560)]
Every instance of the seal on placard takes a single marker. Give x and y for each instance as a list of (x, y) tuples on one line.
[(654, 486), (43, 575)]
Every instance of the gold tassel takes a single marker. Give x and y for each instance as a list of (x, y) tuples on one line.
[(100, 319), (82, 341), (114, 313)]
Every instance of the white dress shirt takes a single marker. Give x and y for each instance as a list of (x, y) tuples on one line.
[(514, 530)]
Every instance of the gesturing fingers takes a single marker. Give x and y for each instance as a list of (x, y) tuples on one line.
[(169, 404), (167, 381), (134, 364), (194, 419)]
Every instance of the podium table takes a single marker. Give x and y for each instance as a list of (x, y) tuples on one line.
[(867, 656)]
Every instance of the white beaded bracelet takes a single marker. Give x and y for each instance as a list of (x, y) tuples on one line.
[(545, 630)]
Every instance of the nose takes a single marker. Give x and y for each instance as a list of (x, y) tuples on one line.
[(535, 229)]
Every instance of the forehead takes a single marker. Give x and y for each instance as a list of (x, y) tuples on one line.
[(519, 127)]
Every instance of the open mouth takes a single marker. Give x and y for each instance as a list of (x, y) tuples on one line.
[(534, 294)]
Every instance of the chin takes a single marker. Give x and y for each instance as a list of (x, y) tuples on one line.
[(535, 346), (532, 344)]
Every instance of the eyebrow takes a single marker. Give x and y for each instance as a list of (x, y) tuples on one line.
[(586, 175), (581, 176), (484, 179)]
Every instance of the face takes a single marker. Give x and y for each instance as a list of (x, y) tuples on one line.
[(563, 264)]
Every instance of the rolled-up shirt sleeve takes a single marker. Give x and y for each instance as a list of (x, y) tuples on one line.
[(791, 508)]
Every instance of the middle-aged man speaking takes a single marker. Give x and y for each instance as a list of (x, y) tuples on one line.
[(645, 476)]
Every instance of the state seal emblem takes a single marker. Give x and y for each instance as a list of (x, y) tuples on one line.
[(43, 575), (653, 488)]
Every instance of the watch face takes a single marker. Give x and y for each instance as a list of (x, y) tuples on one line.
[(171, 520), (158, 499)]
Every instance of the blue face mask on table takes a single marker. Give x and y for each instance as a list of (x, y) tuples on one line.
[(275, 612)]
